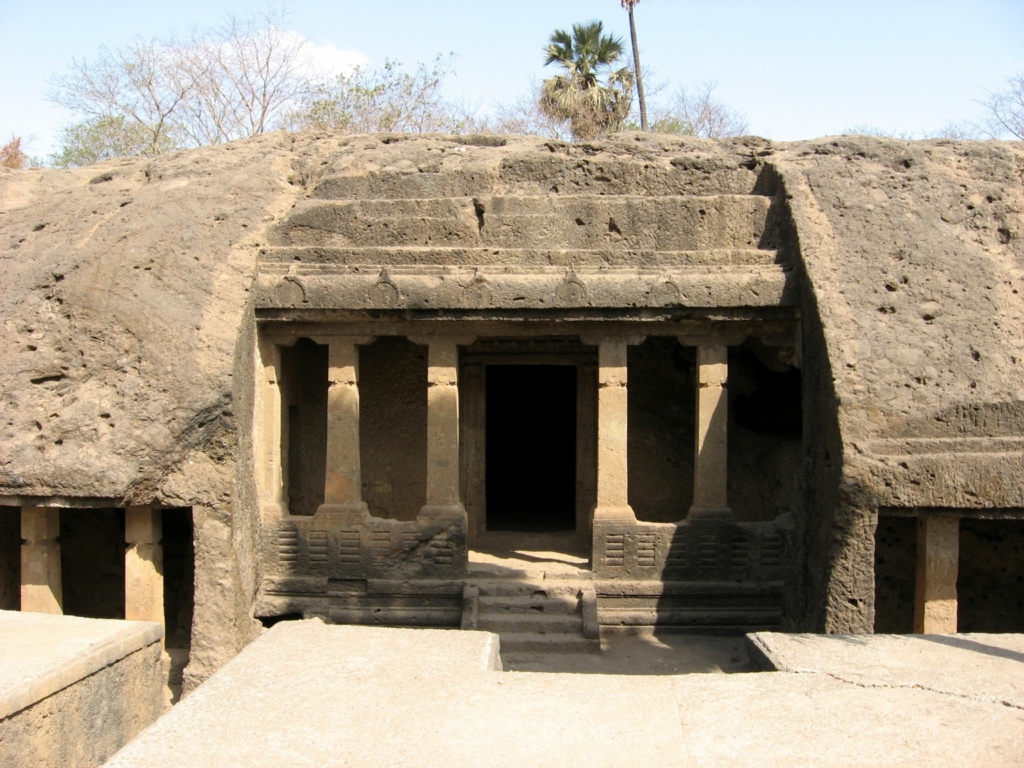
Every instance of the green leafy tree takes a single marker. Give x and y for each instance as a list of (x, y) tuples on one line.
[(592, 94), (629, 5), (103, 138)]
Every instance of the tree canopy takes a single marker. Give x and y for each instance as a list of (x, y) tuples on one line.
[(593, 94), (155, 95)]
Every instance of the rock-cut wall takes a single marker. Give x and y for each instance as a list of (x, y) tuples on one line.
[(126, 350), (127, 312), (913, 290)]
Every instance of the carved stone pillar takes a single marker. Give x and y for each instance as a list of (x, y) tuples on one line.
[(144, 574), (443, 500), (40, 561), (938, 560), (269, 429), (343, 491), (710, 456), (612, 430), (143, 565)]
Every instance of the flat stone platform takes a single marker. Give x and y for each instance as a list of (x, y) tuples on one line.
[(309, 694), (72, 690), (973, 666)]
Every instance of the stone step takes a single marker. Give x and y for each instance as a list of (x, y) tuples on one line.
[(544, 624), (285, 256), (533, 642), (686, 174), (553, 604), (581, 222), (404, 616), (732, 618), (535, 589)]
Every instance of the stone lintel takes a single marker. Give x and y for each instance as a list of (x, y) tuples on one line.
[(727, 338), (629, 339), (755, 286), (442, 339), (938, 555)]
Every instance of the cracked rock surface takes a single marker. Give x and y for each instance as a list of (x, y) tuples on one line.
[(985, 667)]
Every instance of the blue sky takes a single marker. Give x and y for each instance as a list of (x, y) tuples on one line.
[(797, 68)]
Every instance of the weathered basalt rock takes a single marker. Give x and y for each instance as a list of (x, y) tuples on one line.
[(130, 294)]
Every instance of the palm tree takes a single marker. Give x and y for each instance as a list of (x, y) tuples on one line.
[(629, 5), (591, 94)]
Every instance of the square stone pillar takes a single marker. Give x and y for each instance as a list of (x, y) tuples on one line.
[(612, 431), (143, 565), (269, 429), (443, 500), (144, 575), (40, 561), (938, 560), (343, 490), (711, 454)]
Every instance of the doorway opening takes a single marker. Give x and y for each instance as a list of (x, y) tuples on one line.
[(531, 448)]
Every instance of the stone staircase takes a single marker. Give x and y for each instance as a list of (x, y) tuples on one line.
[(533, 615)]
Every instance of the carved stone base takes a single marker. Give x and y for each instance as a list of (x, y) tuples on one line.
[(710, 513), (358, 512), (445, 512), (615, 514)]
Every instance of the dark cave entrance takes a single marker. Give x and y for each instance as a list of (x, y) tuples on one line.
[(92, 562), (531, 447)]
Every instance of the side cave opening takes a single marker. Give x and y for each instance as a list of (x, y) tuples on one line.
[(990, 575), (660, 439), (765, 467), (531, 447), (990, 582), (895, 563), (393, 427), (179, 588), (304, 412), (92, 551), (764, 430), (10, 558)]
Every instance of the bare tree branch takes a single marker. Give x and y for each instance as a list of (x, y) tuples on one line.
[(237, 80), (698, 113), (1006, 109)]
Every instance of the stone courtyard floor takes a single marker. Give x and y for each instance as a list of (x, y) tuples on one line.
[(310, 694)]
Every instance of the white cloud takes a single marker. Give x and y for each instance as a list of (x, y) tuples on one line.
[(326, 59), (336, 61)]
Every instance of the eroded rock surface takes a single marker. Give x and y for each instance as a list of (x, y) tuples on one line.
[(129, 290)]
